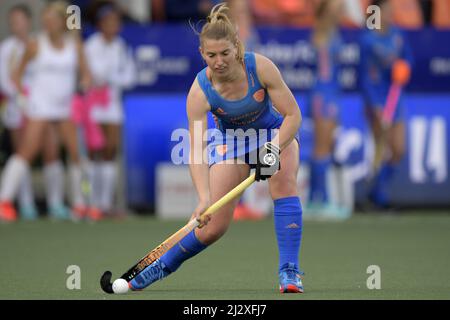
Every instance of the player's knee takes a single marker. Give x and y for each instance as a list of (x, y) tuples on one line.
[(28, 154), (397, 154), (50, 155), (322, 151), (109, 153), (281, 188), (74, 157)]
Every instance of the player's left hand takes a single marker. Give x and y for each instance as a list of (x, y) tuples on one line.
[(268, 161), (401, 72), (202, 219)]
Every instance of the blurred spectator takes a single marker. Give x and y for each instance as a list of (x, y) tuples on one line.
[(353, 13), (324, 100), (56, 56), (135, 10), (242, 16), (299, 13), (14, 119), (407, 13), (181, 10), (441, 13), (381, 50), (113, 70), (11, 52), (89, 8)]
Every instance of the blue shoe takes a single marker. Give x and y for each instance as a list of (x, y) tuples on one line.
[(28, 212), (336, 212), (154, 272), (290, 279), (59, 212)]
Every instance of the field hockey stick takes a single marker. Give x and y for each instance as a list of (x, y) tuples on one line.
[(401, 73), (387, 117), (391, 105), (85, 186), (152, 256)]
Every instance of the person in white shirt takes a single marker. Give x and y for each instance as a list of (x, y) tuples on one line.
[(112, 67), (56, 57), (14, 119)]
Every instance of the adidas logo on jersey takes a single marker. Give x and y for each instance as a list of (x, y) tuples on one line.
[(292, 226)]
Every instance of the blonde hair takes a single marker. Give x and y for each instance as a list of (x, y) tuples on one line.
[(219, 26), (59, 6)]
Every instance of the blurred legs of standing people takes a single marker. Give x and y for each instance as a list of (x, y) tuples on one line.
[(394, 140), (56, 57), (324, 101), (27, 206), (53, 174), (113, 70), (103, 173), (380, 54), (18, 166)]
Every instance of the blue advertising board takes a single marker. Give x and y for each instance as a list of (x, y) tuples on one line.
[(420, 179), (168, 58)]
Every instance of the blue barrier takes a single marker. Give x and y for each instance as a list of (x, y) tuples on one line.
[(421, 179), (168, 59)]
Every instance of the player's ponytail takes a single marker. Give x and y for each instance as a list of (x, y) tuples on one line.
[(219, 26)]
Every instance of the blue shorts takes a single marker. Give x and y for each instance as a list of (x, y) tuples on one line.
[(240, 148), (375, 98), (324, 104)]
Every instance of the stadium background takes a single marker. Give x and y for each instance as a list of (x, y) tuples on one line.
[(151, 185), (166, 69)]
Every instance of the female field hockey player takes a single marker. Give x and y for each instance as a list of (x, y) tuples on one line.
[(324, 102), (14, 119), (381, 50), (112, 68), (239, 88), (11, 51), (56, 57)]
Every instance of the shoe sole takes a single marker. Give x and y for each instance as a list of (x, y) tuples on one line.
[(290, 288)]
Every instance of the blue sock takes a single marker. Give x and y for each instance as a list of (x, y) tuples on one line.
[(288, 227), (379, 192), (318, 179), (188, 247)]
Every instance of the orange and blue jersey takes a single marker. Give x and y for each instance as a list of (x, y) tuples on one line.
[(254, 111), (379, 51)]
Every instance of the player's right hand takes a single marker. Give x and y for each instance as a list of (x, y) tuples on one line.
[(201, 207)]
